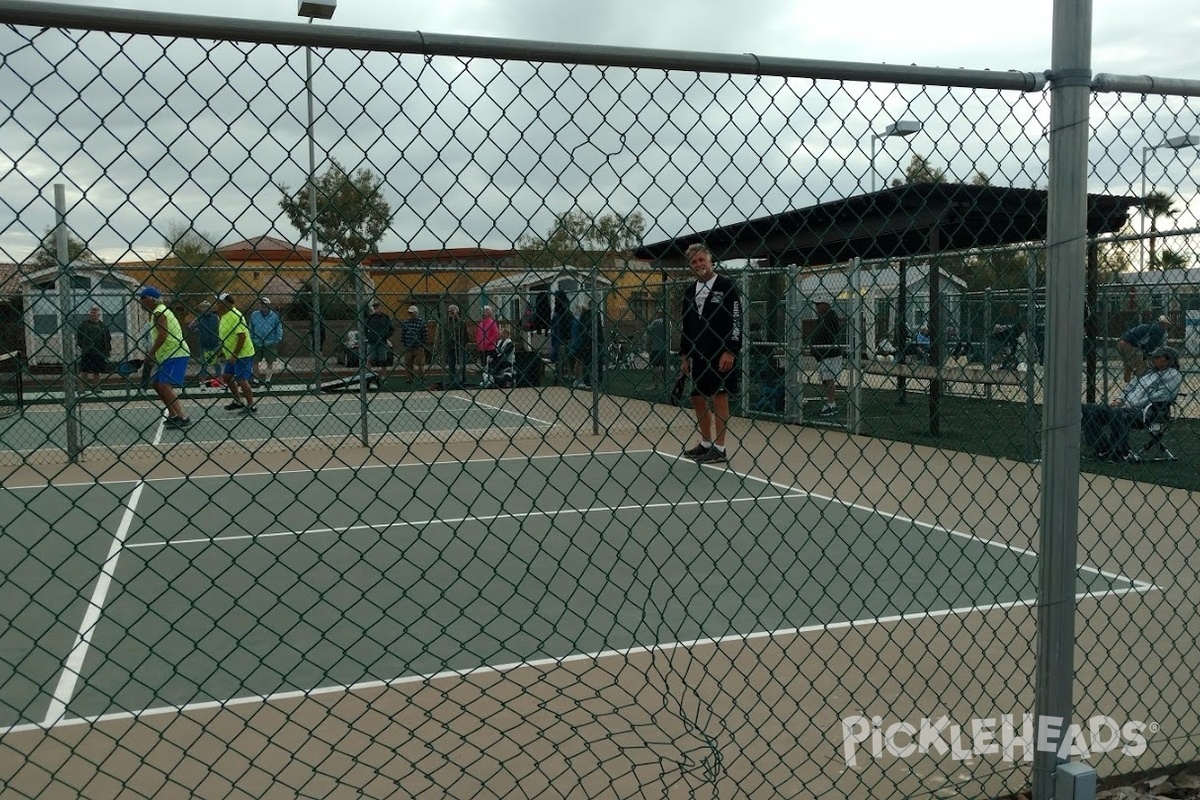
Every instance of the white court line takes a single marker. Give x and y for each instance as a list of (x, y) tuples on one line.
[(517, 414), (383, 526), (73, 667), (229, 476), (539, 664), (1137, 584)]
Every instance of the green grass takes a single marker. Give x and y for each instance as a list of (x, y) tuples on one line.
[(993, 428)]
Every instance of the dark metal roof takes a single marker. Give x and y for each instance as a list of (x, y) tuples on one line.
[(892, 223)]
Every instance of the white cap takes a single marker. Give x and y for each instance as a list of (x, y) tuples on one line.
[(412, 309)]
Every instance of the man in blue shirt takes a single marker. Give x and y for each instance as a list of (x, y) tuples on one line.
[(1139, 340), (206, 325), (266, 332)]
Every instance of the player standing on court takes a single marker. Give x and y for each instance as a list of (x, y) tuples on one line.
[(238, 351), (709, 344), (169, 352)]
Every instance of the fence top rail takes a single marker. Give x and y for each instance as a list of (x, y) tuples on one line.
[(1145, 84), (57, 15)]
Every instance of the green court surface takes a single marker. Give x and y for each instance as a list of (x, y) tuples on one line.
[(116, 424), (161, 594)]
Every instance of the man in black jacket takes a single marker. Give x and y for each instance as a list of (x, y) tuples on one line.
[(709, 344), (828, 353)]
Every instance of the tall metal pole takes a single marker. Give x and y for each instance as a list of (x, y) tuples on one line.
[(65, 333), (855, 337), (1031, 351), (360, 303), (874, 174), (1142, 241), (317, 323), (597, 352), (1066, 245)]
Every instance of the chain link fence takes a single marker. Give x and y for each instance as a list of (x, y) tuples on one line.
[(457, 549)]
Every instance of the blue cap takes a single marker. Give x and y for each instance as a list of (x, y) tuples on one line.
[(149, 291)]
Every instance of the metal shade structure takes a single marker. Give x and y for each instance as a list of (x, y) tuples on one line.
[(900, 222), (910, 221)]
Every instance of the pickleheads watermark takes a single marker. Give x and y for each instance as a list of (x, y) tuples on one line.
[(1011, 736)]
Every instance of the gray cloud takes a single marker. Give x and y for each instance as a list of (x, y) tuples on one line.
[(147, 132)]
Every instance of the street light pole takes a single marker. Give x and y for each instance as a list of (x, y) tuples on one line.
[(1170, 143), (314, 9), (317, 322), (902, 128)]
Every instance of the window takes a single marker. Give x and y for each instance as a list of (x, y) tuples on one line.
[(45, 324)]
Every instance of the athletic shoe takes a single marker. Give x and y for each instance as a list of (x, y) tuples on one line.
[(178, 422), (696, 451), (827, 411), (711, 456), (250, 409), (235, 405)]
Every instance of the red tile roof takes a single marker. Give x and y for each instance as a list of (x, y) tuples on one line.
[(266, 247), (10, 280), (451, 254)]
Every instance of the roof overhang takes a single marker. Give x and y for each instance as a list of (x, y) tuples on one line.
[(914, 220)]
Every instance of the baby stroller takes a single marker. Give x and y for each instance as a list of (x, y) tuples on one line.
[(500, 371)]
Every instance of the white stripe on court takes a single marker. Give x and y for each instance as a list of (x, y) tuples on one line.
[(73, 667), (543, 663), (516, 414), (383, 526), (233, 476)]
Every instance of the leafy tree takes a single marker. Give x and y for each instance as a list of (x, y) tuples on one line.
[(919, 170), (1157, 204), (579, 239), (46, 254), (198, 272), (352, 214)]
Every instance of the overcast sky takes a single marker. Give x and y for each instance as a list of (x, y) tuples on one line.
[(480, 153)]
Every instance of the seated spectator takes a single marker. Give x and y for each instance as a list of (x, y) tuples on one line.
[(1106, 427), (918, 349)]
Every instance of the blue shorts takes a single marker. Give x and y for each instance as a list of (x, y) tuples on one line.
[(172, 371), (241, 370)]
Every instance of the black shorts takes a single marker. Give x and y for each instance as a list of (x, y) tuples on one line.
[(708, 380), (92, 361)]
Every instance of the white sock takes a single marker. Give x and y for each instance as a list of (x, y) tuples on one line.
[(705, 443), (720, 448)]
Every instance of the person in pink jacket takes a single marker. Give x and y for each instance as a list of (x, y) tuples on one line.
[(487, 336)]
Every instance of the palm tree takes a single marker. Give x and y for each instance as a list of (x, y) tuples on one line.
[(1170, 259), (1154, 205)]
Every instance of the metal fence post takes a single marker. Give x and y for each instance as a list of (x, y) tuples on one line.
[(1066, 241), (66, 336)]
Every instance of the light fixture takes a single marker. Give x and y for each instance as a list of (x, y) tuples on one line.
[(901, 128), (1180, 142), (317, 9)]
